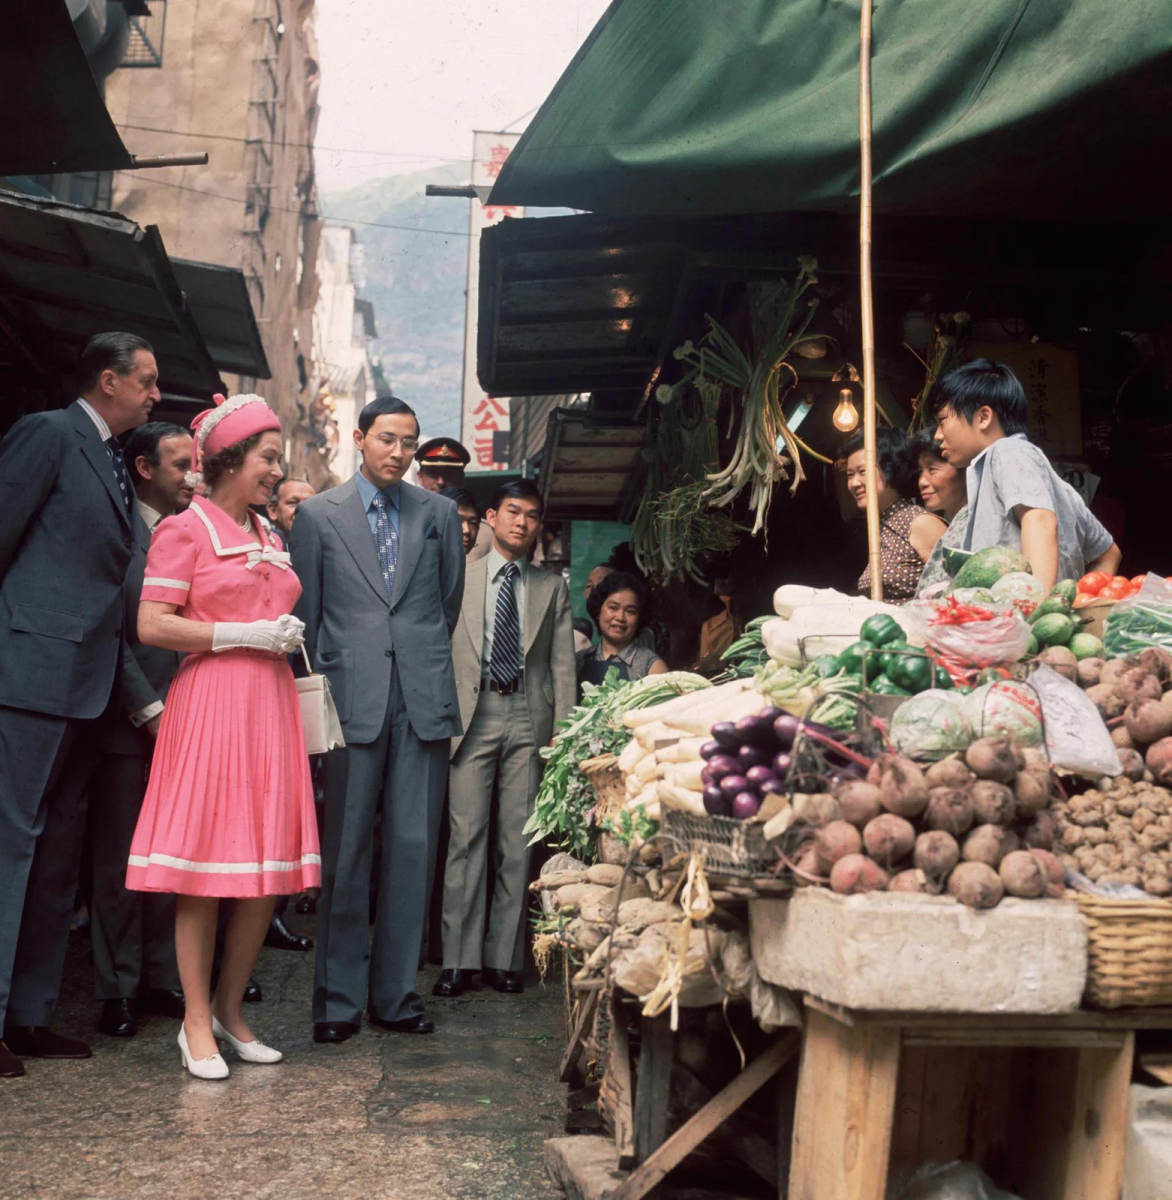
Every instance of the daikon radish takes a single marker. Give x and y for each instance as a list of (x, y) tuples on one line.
[(647, 796), (681, 799), (712, 697), (685, 775), (634, 785), (646, 768), (648, 735), (631, 754), (682, 751)]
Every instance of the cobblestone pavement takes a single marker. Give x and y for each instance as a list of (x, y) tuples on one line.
[(459, 1114)]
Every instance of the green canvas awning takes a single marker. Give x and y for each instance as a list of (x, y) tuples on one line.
[(1034, 109)]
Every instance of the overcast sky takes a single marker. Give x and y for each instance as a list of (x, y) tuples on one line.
[(408, 81)]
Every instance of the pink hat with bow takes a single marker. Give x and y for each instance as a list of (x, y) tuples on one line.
[(231, 421)]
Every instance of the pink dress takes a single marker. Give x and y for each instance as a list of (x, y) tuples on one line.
[(229, 804)]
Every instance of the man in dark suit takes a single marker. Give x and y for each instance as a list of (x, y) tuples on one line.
[(134, 932), (382, 567), (67, 535)]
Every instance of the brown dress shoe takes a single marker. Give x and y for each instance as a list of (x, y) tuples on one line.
[(10, 1066), (41, 1042)]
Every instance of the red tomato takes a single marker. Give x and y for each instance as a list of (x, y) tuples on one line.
[(1094, 582), (1117, 589), (1083, 599), (1137, 581)]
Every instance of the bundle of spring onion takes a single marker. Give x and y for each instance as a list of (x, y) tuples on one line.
[(563, 810), (747, 653), (805, 692)]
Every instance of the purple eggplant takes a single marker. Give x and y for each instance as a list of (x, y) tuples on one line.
[(726, 733), (730, 785), (753, 756), (706, 777), (711, 748), (716, 802), (785, 729), (745, 805), (771, 786), (720, 765), (781, 764), (757, 775), (755, 730)]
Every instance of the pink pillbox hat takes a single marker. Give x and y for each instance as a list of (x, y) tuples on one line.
[(231, 421)]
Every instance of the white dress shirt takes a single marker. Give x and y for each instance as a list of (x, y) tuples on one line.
[(496, 567), (151, 516), (98, 420)]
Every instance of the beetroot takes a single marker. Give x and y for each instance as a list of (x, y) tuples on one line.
[(949, 772), (976, 884), (912, 880), (859, 800), (1159, 761), (1148, 722), (1023, 875), (889, 839), (902, 788), (935, 854), (835, 841), (949, 809), (856, 873), (1031, 791), (993, 758), (988, 844), (1040, 833), (993, 803)]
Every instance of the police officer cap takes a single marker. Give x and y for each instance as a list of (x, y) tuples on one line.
[(442, 452)]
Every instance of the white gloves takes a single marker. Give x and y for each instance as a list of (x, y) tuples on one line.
[(281, 636)]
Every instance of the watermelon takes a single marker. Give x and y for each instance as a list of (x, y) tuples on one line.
[(955, 559), (1054, 629), (1085, 645), (1019, 585), (987, 566)]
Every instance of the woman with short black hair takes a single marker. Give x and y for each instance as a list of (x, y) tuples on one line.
[(618, 605), (907, 532), (944, 492)]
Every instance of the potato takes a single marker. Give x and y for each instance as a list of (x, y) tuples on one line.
[(976, 884), (1031, 791), (1148, 722), (1090, 671), (935, 854), (993, 803), (834, 841), (1159, 760), (1155, 661), (856, 873), (889, 839), (1122, 738), (1041, 832), (1135, 685), (902, 788), (1106, 699), (950, 810), (912, 881), (949, 772), (1059, 659), (1023, 875), (988, 844), (993, 758), (859, 802), (604, 874)]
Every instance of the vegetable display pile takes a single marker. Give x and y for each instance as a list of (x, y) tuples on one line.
[(563, 809), (747, 654), (1143, 621), (883, 660), (976, 827)]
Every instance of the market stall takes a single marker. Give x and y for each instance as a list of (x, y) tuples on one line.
[(923, 851)]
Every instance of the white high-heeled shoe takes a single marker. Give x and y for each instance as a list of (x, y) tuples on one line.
[(212, 1067), (253, 1052)]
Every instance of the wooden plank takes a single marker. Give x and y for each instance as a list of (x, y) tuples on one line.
[(1030, 1038), (681, 1143), (582, 1026), (619, 1093), (845, 1111), (653, 1085), (752, 1149), (915, 1022)]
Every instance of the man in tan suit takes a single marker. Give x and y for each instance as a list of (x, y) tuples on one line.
[(513, 651)]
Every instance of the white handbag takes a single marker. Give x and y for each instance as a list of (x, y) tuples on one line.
[(319, 715)]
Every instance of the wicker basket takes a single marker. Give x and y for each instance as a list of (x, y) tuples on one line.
[(734, 849), (1129, 951), (610, 790)]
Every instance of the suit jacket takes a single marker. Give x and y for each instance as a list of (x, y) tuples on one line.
[(551, 678), (66, 541), (352, 628), (151, 670)]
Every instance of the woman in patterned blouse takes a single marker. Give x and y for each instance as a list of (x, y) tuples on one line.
[(907, 532), (942, 488)]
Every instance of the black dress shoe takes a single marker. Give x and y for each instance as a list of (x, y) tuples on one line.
[(281, 937), (419, 1024), (252, 993), (452, 983), (10, 1066), (503, 981), (118, 1019), (306, 905), (333, 1031), (41, 1042), (163, 1002)]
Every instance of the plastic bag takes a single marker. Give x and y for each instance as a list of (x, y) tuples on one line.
[(1007, 707), (931, 725), (1148, 1167), (1076, 738), (773, 1007), (555, 864), (641, 969), (971, 644), (1141, 621), (948, 1181)]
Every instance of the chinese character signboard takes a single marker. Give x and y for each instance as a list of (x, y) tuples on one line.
[(484, 427)]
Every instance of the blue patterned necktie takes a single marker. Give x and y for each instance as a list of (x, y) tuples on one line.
[(386, 542), (120, 473), (506, 631)]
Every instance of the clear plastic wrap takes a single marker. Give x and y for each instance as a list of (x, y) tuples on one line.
[(997, 640), (947, 1181), (1141, 621)]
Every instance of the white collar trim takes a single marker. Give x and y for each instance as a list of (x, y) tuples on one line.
[(256, 554)]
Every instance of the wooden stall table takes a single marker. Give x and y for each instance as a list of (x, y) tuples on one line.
[(1039, 1102)]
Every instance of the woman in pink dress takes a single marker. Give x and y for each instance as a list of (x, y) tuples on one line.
[(229, 805)]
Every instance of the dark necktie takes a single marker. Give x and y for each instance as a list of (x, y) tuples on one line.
[(120, 473), (506, 631), (386, 542)]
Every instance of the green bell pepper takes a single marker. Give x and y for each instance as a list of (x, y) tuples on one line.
[(880, 629), (943, 679), (883, 686), (827, 665), (912, 672), (861, 659)]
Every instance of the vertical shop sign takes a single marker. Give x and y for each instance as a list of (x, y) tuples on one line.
[(484, 426)]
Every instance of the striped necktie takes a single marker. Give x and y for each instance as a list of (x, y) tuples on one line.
[(506, 631)]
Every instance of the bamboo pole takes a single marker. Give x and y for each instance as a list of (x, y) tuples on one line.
[(866, 306)]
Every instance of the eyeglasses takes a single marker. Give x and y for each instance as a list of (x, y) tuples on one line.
[(390, 441)]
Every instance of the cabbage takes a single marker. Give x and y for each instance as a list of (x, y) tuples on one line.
[(1007, 707), (1019, 585), (931, 725)]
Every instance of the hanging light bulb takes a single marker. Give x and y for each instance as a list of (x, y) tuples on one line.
[(846, 416)]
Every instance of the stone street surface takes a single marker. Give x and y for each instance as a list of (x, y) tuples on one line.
[(460, 1113)]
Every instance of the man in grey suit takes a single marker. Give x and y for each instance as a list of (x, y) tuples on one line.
[(133, 933), (382, 567), (515, 674), (67, 535)]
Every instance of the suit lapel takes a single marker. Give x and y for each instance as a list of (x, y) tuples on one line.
[(536, 598), (348, 517), (414, 506), (144, 534), (475, 585), (99, 457)]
